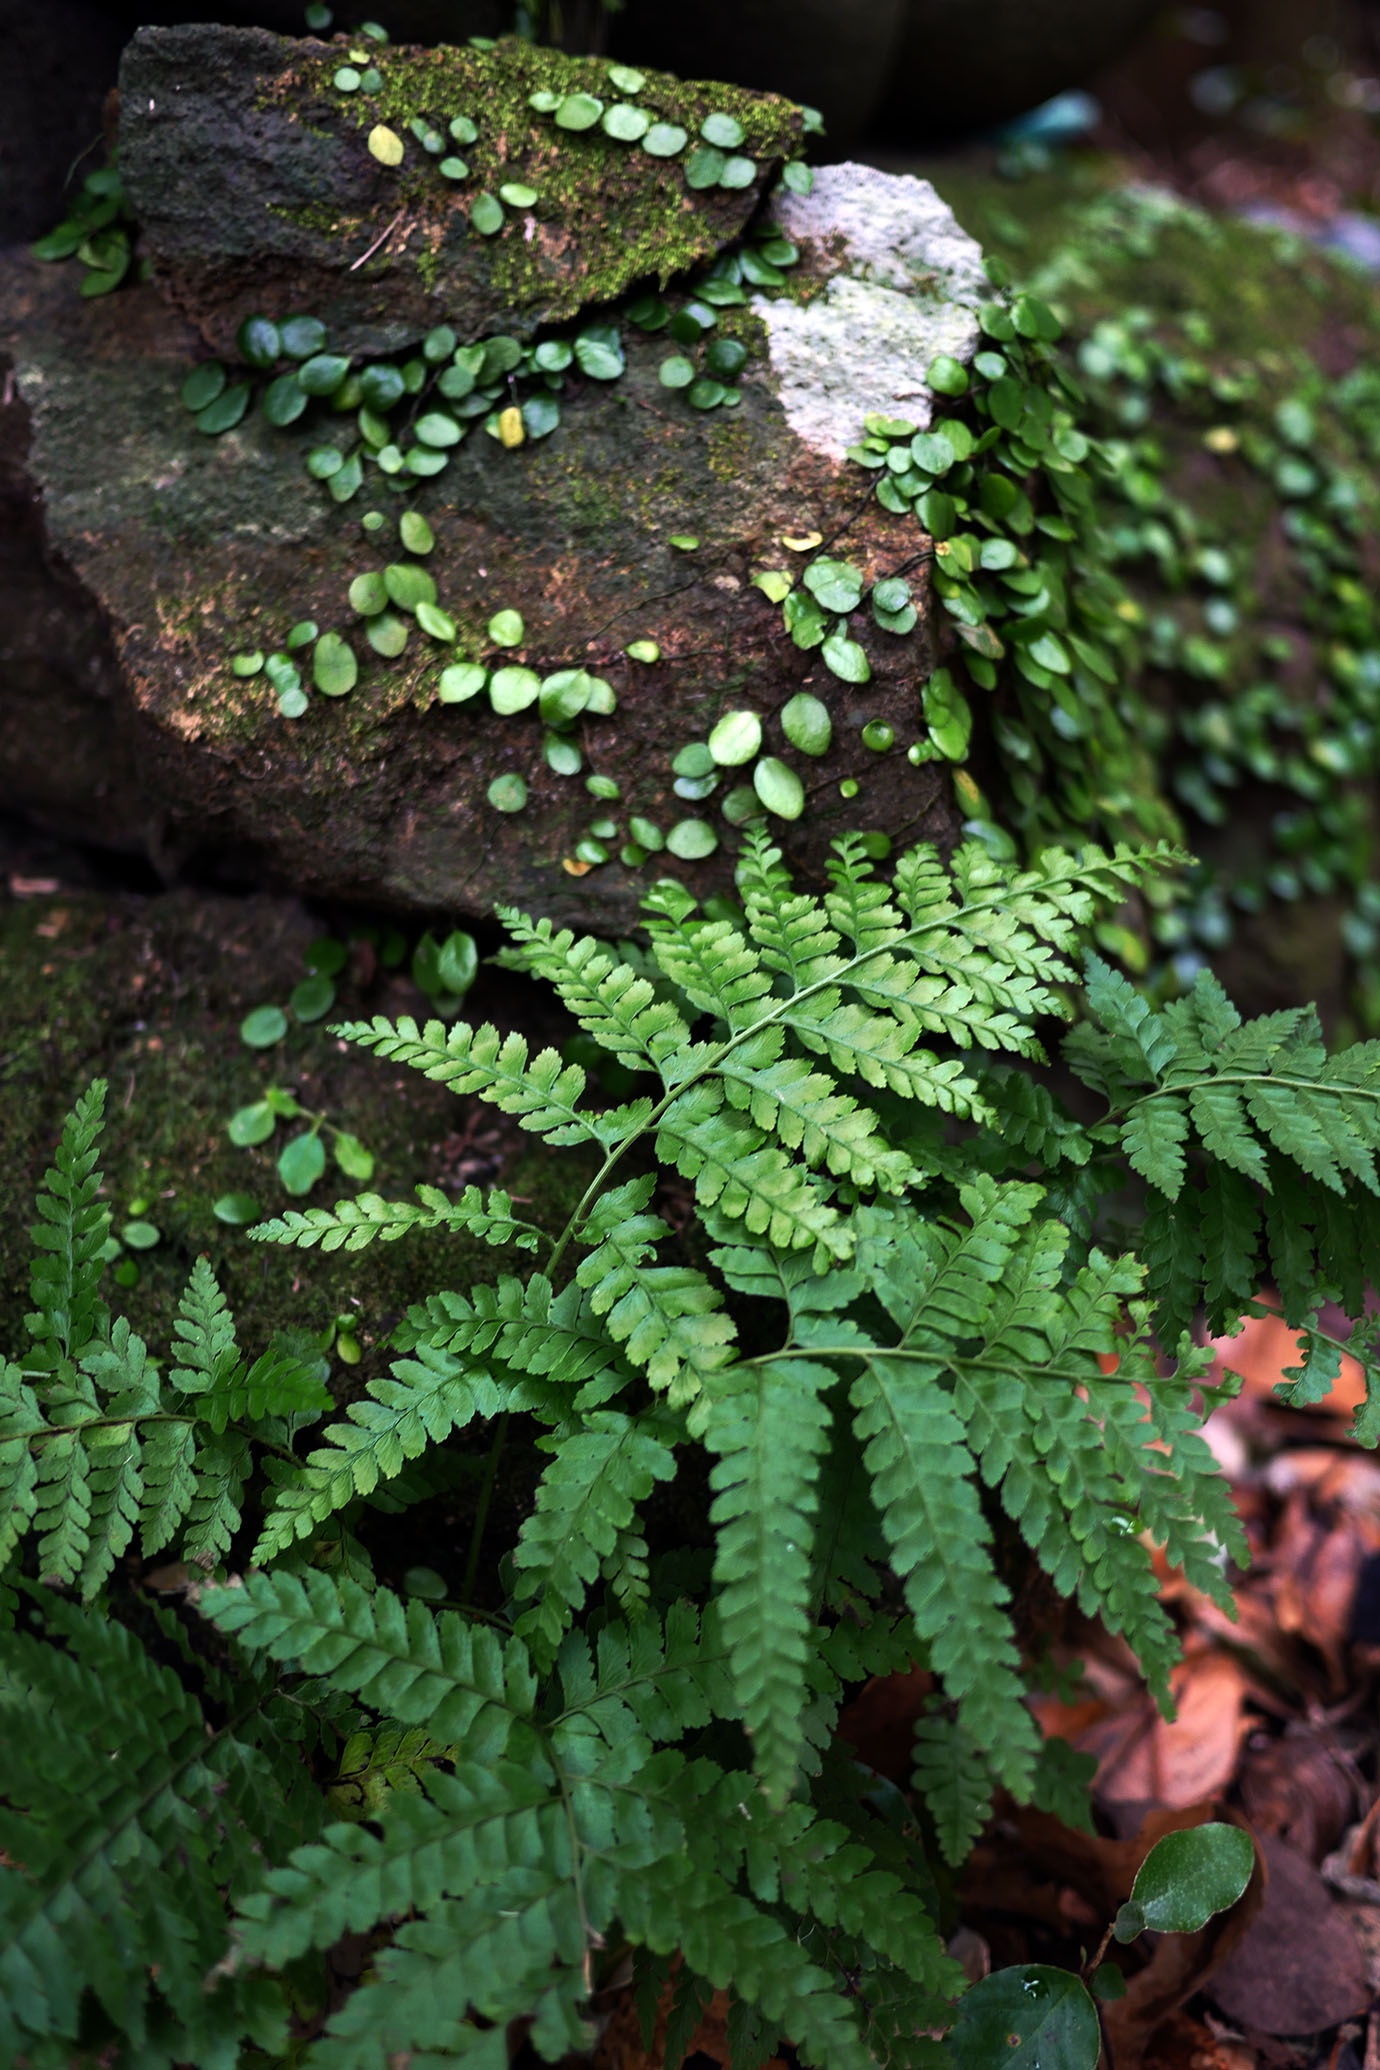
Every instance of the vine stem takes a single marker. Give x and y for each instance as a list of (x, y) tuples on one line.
[(481, 1515)]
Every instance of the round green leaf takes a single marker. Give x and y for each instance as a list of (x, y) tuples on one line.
[(705, 395), (438, 428), (797, 177), (544, 101), (512, 690), (415, 533), (1186, 1879), (1026, 2018), (252, 1124), (676, 372), (323, 373), (846, 659), (387, 146), (463, 130), (517, 194), (506, 629), (367, 594), (599, 352), (236, 1210), (314, 997), (508, 793), (408, 585), (301, 635), (735, 739), (645, 651), (646, 833), (948, 376), (779, 788), (738, 173), (724, 130), (453, 169), (263, 1027), (225, 412), (292, 703), (579, 111), (326, 957), (457, 964), (725, 358), (741, 805), (350, 1154), (435, 623), (540, 415), (879, 735), (346, 79), (837, 585), (302, 336), (486, 214), (704, 166), (301, 1162), (246, 664), (665, 139), (203, 385), (258, 342), (334, 668), (691, 839), (141, 1236), (457, 684), (624, 123), (282, 674), (806, 724), (387, 634), (891, 594), (565, 695)]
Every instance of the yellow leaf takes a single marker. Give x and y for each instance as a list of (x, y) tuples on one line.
[(385, 144), (511, 428), (802, 542), (575, 869), (1221, 439)]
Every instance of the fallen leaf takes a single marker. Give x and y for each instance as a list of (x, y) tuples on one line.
[(1298, 1968), (1146, 1761)]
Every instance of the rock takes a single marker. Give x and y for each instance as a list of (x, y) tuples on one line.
[(190, 550), (255, 187)]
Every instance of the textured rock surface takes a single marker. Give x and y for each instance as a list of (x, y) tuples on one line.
[(252, 181), (194, 548)]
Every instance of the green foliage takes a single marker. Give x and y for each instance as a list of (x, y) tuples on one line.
[(907, 1364)]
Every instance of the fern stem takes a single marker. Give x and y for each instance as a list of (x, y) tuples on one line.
[(1342, 1087), (481, 1515), (57, 1430)]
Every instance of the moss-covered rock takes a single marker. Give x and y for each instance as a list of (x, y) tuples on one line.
[(627, 540), (256, 188), (149, 994)]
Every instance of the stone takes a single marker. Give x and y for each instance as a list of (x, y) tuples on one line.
[(179, 551), (254, 186)]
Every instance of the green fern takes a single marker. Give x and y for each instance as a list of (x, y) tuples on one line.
[(892, 1317)]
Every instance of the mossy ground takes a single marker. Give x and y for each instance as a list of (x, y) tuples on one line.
[(149, 994)]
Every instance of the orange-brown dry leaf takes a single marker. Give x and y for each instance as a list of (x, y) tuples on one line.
[(1146, 1760)]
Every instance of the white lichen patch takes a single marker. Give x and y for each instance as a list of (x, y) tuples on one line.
[(905, 283)]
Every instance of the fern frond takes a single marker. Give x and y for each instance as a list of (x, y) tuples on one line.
[(787, 1098), (352, 1224), (668, 1318), (955, 1781), (418, 1403), (124, 1811), (457, 1679), (68, 1238), (736, 1168), (542, 1091), (555, 1339), (611, 1000), (767, 1426), (602, 1468), (921, 1470), (709, 961)]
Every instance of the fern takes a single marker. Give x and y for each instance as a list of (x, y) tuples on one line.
[(892, 1320)]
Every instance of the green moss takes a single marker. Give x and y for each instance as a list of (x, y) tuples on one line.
[(149, 995), (607, 213)]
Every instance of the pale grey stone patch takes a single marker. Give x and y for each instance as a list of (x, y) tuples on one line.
[(909, 280), (893, 228)]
